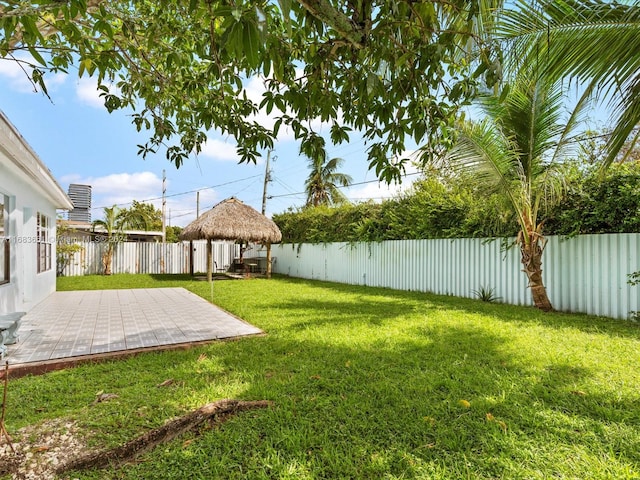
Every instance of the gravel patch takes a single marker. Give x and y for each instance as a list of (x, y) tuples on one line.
[(40, 449)]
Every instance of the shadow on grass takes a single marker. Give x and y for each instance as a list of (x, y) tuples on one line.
[(503, 312), (167, 277), (370, 410), (336, 312), (433, 402)]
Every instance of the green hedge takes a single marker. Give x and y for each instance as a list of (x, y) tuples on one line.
[(599, 204), (447, 208)]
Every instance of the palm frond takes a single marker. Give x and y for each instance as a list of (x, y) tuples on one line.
[(548, 189), (628, 113), (493, 159), (594, 42), (584, 35), (566, 142)]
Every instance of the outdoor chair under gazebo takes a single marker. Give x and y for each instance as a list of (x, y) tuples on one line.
[(233, 220)]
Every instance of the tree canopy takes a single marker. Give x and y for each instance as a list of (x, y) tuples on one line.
[(391, 70)]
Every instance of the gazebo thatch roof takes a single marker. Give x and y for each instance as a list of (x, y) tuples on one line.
[(232, 220)]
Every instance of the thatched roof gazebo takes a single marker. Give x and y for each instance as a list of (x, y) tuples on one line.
[(233, 220)]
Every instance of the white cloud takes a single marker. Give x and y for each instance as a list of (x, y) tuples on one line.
[(220, 150), (128, 184), (18, 72), (378, 191), (119, 188), (87, 92), (122, 188)]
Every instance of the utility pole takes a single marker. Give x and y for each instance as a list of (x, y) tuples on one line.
[(191, 241), (267, 179), (164, 206), (164, 220)]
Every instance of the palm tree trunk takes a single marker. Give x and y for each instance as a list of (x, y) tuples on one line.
[(531, 258), (107, 258)]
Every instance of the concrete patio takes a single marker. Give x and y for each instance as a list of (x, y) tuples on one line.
[(71, 327)]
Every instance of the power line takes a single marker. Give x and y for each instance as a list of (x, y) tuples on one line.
[(341, 186), (575, 139), (185, 193)]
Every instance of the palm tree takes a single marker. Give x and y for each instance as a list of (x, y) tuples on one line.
[(593, 42), (322, 184), (518, 150), (116, 220)]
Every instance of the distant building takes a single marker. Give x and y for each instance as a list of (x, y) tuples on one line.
[(80, 195), (29, 197)]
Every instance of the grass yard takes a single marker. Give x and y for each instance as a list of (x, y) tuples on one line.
[(367, 384)]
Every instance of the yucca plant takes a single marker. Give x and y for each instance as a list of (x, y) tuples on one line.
[(486, 294)]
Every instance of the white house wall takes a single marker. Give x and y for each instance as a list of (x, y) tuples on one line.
[(587, 273), (26, 287), (31, 189)]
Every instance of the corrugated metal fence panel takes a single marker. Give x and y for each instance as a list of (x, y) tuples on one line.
[(223, 255), (587, 273), (147, 257)]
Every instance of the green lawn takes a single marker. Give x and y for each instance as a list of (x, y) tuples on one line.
[(367, 384)]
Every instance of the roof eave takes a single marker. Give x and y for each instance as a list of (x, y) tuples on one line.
[(23, 157)]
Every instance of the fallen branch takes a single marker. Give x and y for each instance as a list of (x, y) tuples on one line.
[(216, 411)]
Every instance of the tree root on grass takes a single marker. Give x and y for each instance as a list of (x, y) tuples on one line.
[(214, 412)]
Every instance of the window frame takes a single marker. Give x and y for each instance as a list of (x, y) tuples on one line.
[(43, 244), (5, 240)]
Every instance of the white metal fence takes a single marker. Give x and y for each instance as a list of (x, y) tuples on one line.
[(147, 257), (586, 274)]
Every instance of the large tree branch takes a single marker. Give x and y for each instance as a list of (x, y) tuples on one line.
[(324, 11), (45, 23), (216, 411)]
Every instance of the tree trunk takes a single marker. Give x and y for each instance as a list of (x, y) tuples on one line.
[(107, 258), (531, 257)]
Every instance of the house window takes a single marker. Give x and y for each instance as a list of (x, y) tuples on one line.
[(44, 243), (5, 245)]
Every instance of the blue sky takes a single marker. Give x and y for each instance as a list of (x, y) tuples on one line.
[(80, 142)]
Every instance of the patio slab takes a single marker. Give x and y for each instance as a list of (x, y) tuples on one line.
[(68, 327)]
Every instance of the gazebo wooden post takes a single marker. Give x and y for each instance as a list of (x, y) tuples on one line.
[(191, 257), (233, 220), (209, 260), (268, 259)]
